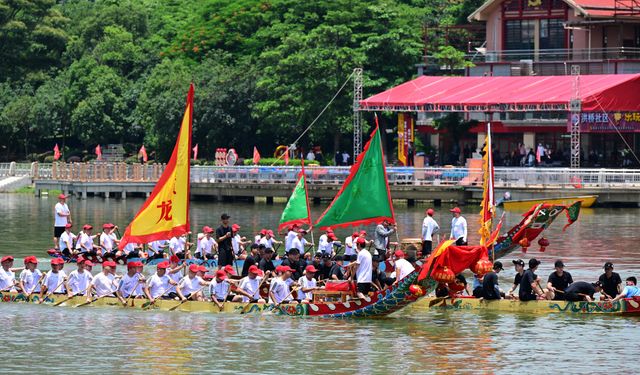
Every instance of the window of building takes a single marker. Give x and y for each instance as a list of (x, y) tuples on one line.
[(552, 34), (519, 34)]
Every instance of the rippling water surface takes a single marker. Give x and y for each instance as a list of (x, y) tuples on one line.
[(44, 339)]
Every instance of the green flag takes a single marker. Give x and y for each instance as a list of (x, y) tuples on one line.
[(364, 197), (297, 210)]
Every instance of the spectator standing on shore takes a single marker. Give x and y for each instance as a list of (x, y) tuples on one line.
[(62, 217), (429, 228), (458, 227)]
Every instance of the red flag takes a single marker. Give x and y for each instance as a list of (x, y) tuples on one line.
[(56, 152), (99, 152), (143, 153), (286, 156), (195, 152), (256, 156)]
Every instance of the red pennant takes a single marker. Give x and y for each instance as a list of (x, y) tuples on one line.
[(195, 152), (256, 156), (98, 152), (143, 153), (56, 152)]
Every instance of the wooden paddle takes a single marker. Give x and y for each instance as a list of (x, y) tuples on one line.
[(53, 290), (68, 298), (126, 302), (94, 300), (294, 289), (224, 300), (186, 300), (246, 307)]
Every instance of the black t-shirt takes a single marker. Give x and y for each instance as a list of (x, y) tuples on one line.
[(560, 282), (610, 285), (526, 291), (581, 287), (490, 286), (518, 279), (248, 262), (324, 272), (224, 245), (267, 265), (336, 270)]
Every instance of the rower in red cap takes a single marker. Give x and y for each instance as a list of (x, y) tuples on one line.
[(279, 291), (7, 274), (238, 242), (249, 288), (66, 241), (160, 285), (308, 284), (103, 284), (54, 280), (458, 227), (30, 277), (291, 235), (85, 240), (207, 246), (402, 266), (190, 286), (220, 288), (79, 279), (362, 268), (131, 282)]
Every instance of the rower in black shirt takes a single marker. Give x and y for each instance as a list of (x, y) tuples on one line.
[(519, 266), (293, 261), (558, 282), (530, 285), (336, 270), (582, 291), (611, 282), (490, 287), (250, 260), (324, 272), (266, 264)]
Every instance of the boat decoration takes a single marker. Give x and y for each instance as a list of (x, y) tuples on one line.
[(297, 210)]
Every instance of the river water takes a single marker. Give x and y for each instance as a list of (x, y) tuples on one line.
[(65, 340)]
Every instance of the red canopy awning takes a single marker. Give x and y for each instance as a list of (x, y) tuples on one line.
[(607, 93)]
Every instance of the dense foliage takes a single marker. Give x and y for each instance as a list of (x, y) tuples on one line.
[(80, 73)]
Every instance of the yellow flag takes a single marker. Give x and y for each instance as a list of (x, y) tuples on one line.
[(165, 214)]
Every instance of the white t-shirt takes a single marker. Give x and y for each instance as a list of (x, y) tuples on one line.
[(268, 243), (156, 246), (177, 276), (159, 286), (235, 243), (54, 281), (280, 290), (61, 208), (66, 237), (257, 239), (219, 290), (403, 267), (363, 274), (429, 228), (103, 284), (289, 240), (206, 245), (106, 242), (325, 245), (459, 228), (177, 244), (78, 282), (349, 249), (86, 242), (30, 280), (306, 283), (250, 286), (6, 279), (131, 246), (129, 284), (299, 243), (188, 285)]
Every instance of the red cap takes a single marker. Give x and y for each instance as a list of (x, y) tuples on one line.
[(311, 268), (87, 263), (332, 236), (194, 268), (286, 268), (354, 235), (329, 230), (228, 269), (430, 212), (278, 269), (87, 227), (302, 231), (31, 259), (174, 259), (361, 241), (220, 274), (68, 225), (363, 232), (207, 229), (455, 210), (62, 196), (270, 232), (108, 263), (202, 269), (254, 270), (263, 232), (131, 265), (106, 226), (399, 254), (163, 265), (235, 227), (6, 258), (57, 261)]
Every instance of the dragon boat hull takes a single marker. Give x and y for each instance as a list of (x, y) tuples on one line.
[(380, 304), (623, 307)]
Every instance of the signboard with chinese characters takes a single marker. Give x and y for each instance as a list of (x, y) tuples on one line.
[(611, 122)]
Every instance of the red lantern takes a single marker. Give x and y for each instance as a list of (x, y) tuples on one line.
[(416, 290), (524, 243), (482, 267), (543, 242), (443, 275)]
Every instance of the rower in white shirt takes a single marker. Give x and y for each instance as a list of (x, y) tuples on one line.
[(130, 284), (66, 241), (30, 277), (308, 284), (160, 284), (402, 266), (54, 280), (103, 283), (238, 243), (325, 242), (350, 247), (291, 235), (249, 288), (429, 228), (458, 227), (79, 279), (299, 242), (190, 286), (269, 241), (178, 246), (155, 249), (61, 217), (207, 246), (85, 240), (7, 275)]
